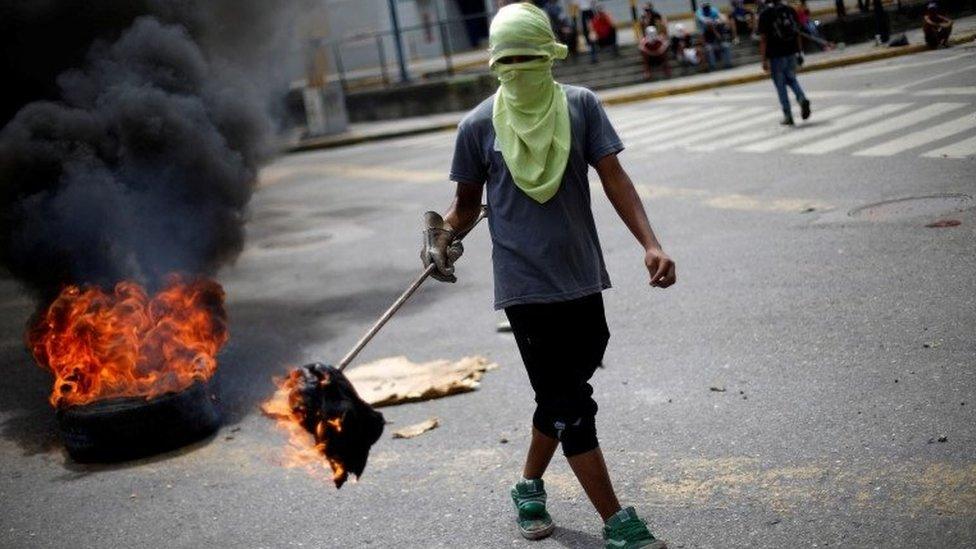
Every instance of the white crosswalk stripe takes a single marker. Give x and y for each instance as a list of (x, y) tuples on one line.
[(958, 90), (699, 114), (741, 138), (709, 137), (846, 139), (751, 128), (961, 149), (804, 134), (731, 141), (921, 137), (696, 129), (641, 119)]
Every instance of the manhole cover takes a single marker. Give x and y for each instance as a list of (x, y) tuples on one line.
[(914, 206), (294, 241)]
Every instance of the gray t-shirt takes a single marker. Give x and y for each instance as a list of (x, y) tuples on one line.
[(541, 253)]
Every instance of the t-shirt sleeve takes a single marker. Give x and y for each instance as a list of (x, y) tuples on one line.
[(601, 138), (469, 164)]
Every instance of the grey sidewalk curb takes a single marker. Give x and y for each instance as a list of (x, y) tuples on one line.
[(620, 98)]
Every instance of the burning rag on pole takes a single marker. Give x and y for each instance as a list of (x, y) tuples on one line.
[(330, 422), (129, 146)]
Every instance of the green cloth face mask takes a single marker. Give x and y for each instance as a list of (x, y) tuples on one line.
[(530, 113)]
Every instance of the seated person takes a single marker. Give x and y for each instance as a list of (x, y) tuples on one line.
[(562, 26), (715, 36), (567, 34), (683, 47), (654, 50), (653, 18), (936, 27), (743, 20), (602, 32)]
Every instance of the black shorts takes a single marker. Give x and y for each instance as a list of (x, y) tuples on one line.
[(561, 345)]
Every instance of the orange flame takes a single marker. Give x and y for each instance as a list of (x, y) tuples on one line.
[(103, 345), (304, 450)]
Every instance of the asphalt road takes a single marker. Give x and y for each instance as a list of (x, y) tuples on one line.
[(844, 345)]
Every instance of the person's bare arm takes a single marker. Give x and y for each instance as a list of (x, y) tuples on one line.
[(622, 194), (467, 203)]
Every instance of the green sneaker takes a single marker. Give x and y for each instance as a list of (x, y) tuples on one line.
[(625, 530), (529, 497)]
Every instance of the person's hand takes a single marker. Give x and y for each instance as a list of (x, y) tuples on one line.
[(660, 267), (440, 248), (765, 65)]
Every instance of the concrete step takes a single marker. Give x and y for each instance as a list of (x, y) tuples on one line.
[(621, 73)]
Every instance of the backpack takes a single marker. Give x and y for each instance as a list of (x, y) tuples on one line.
[(784, 24)]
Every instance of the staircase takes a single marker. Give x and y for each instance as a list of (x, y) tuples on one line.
[(628, 68)]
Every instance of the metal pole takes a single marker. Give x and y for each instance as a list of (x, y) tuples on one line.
[(395, 22), (382, 320), (381, 51), (635, 21), (445, 45), (694, 8), (339, 68)]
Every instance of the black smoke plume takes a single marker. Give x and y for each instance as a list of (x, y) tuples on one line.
[(132, 132)]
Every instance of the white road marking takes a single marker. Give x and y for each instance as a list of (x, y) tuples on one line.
[(639, 119), (939, 76), (961, 149), (896, 65), (863, 133), (751, 136), (887, 92), (731, 141), (676, 121), (695, 130), (958, 90), (921, 137), (802, 134), (434, 139)]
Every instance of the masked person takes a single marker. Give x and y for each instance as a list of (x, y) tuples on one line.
[(532, 143)]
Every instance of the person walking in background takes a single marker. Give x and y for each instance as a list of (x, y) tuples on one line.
[(779, 46), (529, 147), (936, 27), (602, 32)]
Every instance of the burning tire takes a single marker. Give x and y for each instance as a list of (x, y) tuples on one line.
[(120, 429)]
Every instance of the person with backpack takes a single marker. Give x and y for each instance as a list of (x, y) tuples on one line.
[(779, 47)]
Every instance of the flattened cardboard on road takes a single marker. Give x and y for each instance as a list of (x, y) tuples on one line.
[(397, 380), (417, 429)]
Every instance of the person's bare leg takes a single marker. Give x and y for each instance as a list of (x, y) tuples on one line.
[(591, 471), (541, 449)]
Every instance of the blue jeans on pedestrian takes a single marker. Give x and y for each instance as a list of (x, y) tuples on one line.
[(717, 50), (783, 71)]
